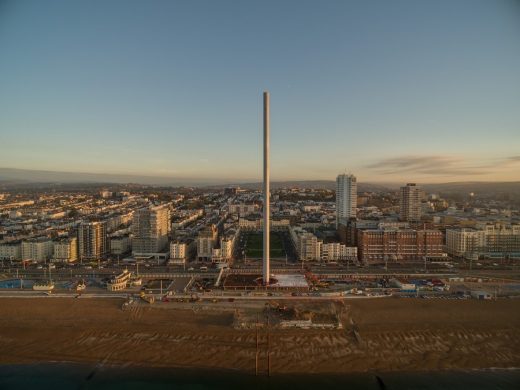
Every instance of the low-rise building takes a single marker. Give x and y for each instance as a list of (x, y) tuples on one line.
[(488, 240), (178, 252), (335, 251), (11, 250), (119, 282), (399, 245), (258, 224), (243, 209), (463, 242), (66, 250)]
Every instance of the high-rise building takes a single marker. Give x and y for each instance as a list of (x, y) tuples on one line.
[(346, 198), (410, 203), (92, 240), (150, 226), (206, 242)]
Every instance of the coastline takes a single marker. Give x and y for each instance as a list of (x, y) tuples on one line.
[(398, 335)]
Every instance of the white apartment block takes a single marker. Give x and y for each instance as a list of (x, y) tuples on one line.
[(150, 227), (178, 252), (306, 244), (310, 248), (494, 240), (346, 198), (38, 249), (11, 251), (225, 252), (462, 242), (335, 251), (66, 250)]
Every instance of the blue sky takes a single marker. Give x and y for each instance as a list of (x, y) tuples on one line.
[(425, 91)]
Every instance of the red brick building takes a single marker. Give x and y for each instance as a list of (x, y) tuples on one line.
[(398, 245)]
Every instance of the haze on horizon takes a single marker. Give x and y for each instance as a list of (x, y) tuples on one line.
[(391, 91)]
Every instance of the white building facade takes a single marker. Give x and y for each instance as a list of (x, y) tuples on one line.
[(178, 252), (38, 249), (66, 250), (346, 198), (11, 251), (150, 227)]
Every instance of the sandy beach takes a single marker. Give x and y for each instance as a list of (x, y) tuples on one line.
[(392, 335)]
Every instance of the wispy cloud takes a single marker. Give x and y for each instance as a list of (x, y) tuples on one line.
[(438, 165)]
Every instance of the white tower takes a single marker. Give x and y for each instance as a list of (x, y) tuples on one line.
[(266, 191), (346, 198)]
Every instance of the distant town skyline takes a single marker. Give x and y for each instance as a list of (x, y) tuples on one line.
[(390, 91)]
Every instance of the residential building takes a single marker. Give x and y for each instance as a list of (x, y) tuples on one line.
[(306, 244), (178, 252), (243, 209), (206, 241), (92, 240), (502, 240), (150, 227), (335, 251), (11, 250), (399, 245), (488, 240), (224, 252), (346, 198), (66, 250), (38, 249), (410, 203), (464, 242)]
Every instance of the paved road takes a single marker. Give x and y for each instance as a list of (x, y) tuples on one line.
[(204, 298)]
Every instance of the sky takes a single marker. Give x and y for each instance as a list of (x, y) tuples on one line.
[(392, 91)]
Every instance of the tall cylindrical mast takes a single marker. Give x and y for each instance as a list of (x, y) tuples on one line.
[(266, 190)]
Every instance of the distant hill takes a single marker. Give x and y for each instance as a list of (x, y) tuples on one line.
[(12, 177), (482, 188), (311, 184)]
